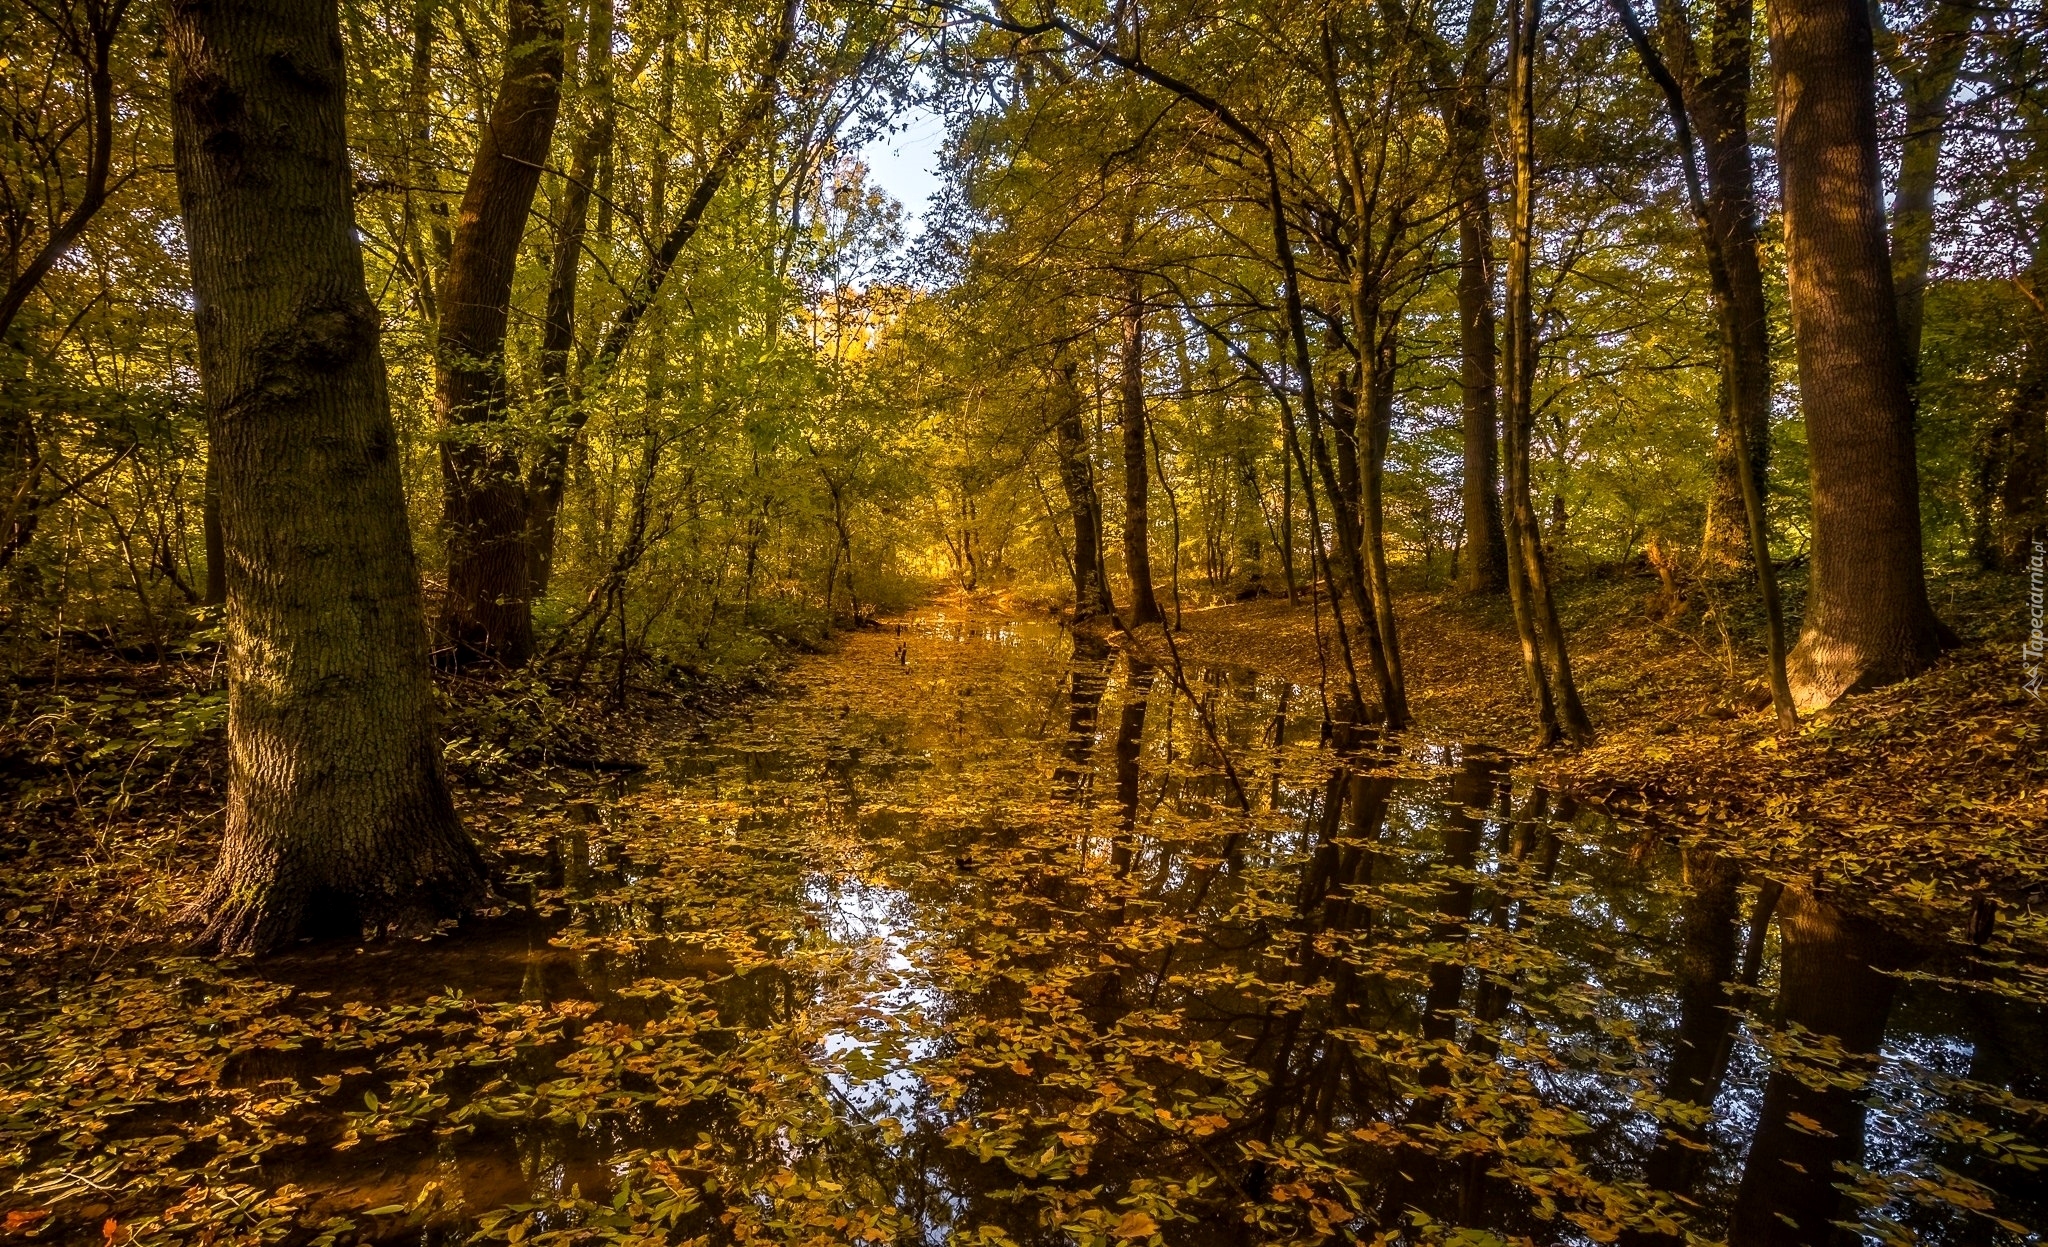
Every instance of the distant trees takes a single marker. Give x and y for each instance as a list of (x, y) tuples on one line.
[(338, 812)]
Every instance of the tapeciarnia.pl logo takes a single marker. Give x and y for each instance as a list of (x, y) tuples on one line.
[(2037, 644)]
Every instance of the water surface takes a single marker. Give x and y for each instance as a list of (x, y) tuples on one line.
[(975, 935)]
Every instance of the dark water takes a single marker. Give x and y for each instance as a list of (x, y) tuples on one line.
[(981, 940)]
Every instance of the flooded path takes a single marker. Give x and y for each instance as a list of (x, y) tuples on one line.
[(973, 937)]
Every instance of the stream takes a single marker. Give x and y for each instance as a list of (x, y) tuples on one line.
[(977, 934)]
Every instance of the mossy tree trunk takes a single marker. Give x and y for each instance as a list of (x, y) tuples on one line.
[(338, 809)]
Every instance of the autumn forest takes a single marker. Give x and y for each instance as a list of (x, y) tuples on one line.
[(849, 621)]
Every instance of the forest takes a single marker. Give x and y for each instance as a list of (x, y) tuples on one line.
[(1013, 622)]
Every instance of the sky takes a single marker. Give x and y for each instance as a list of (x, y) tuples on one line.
[(905, 163)]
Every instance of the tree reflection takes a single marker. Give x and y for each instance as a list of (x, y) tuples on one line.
[(1833, 999)]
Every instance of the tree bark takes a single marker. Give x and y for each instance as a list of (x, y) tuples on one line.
[(338, 812), (1926, 85), (1715, 97), (1471, 123), (209, 527), (487, 612), (1137, 507), (1557, 699), (1728, 238), (562, 419), (1077, 477), (1868, 621)]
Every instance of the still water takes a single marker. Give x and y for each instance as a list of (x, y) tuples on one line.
[(979, 935)]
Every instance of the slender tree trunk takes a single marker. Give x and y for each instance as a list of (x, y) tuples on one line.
[(1728, 239), (1927, 82), (1535, 612), (338, 812), (2015, 506), (1250, 520), (1137, 507), (1485, 566), (488, 609), (1868, 621), (1378, 421), (1077, 477), (550, 472), (1715, 97), (1471, 121)]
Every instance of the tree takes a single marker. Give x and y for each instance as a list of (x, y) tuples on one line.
[(1077, 477), (488, 608), (338, 811), (1545, 659), (1131, 415), (1868, 621)]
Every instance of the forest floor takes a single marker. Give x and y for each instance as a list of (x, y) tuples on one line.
[(1927, 794)]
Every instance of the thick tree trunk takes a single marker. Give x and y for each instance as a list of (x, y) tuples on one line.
[(488, 609), (1868, 620), (338, 812), (1077, 477), (1137, 506)]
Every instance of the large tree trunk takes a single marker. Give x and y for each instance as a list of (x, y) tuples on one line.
[(488, 608), (338, 811), (1077, 476), (1137, 507), (1868, 620)]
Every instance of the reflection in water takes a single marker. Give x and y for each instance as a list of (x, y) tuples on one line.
[(877, 964), (1834, 993)]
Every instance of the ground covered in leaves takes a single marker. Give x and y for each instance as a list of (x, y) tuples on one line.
[(970, 934), (1927, 794)]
